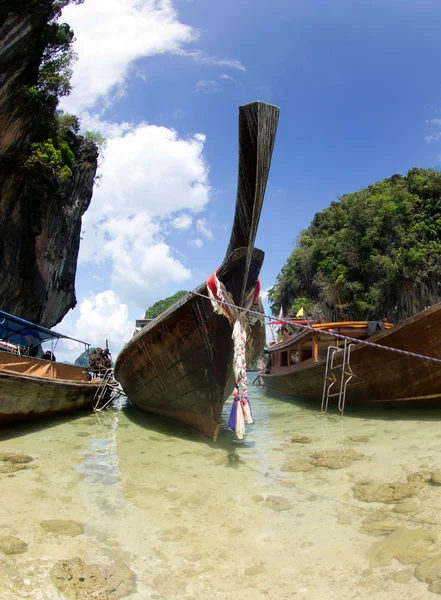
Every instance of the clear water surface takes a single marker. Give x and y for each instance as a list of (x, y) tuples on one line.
[(275, 516)]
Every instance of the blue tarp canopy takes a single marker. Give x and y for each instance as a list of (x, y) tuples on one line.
[(18, 331)]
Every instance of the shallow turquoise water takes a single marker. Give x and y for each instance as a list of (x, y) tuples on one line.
[(200, 520)]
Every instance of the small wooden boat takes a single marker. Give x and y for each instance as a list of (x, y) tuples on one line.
[(366, 374), (32, 387), (181, 363)]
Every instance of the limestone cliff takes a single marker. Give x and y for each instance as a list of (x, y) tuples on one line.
[(40, 224)]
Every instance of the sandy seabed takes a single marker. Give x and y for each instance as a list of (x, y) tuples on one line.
[(128, 505)]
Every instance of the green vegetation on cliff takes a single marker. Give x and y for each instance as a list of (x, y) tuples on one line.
[(52, 154), (375, 253), (159, 307)]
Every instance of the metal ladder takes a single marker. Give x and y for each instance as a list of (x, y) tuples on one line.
[(333, 376), (108, 391)]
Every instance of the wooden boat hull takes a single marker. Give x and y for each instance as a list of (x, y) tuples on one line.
[(180, 366), (382, 376), (24, 397)]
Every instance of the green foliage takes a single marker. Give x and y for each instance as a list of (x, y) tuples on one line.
[(53, 161), (52, 155), (162, 305), (55, 70), (373, 254), (311, 308), (95, 138), (67, 124)]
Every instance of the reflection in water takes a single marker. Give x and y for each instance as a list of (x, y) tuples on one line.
[(306, 506)]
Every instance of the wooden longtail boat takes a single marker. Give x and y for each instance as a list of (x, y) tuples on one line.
[(180, 364), (298, 365), (32, 387)]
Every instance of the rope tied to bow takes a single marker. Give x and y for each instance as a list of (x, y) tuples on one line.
[(222, 303)]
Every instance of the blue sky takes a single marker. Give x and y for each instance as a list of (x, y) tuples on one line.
[(359, 92)]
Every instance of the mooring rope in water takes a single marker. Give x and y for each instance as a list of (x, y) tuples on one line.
[(322, 331)]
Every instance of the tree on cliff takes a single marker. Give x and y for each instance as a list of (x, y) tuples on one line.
[(52, 154), (162, 305), (374, 253)]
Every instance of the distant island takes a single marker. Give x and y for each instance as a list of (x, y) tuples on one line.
[(159, 307), (375, 253)]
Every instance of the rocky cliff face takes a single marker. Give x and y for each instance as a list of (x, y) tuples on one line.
[(39, 226)]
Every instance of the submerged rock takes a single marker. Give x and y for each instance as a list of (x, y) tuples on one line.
[(15, 457), (8, 467), (386, 492), (402, 576), (408, 506), (288, 484), (421, 477), (63, 527), (84, 581), (11, 461), (254, 570), (278, 503), (429, 571), (360, 438), (377, 524), (335, 459), (297, 465), (409, 546), (12, 545), (436, 478), (300, 439)]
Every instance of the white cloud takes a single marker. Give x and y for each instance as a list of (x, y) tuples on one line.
[(232, 79), (202, 227), (182, 222), (103, 316), (207, 87), (197, 242), (148, 174), (434, 137), (198, 56), (100, 317), (111, 35), (142, 262)]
